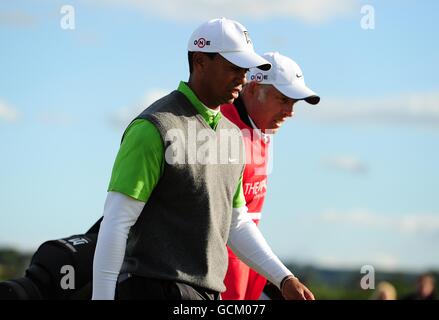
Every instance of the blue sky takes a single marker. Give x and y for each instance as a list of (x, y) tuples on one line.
[(354, 181)]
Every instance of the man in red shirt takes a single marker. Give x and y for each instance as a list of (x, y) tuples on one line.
[(265, 102)]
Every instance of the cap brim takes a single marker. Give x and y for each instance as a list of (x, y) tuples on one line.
[(247, 60), (299, 92)]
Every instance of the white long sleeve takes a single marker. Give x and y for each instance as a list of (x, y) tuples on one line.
[(120, 214), (248, 243)]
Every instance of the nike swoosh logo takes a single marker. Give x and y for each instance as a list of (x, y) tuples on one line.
[(299, 75), (232, 160)]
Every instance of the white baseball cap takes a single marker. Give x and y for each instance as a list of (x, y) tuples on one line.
[(230, 39), (286, 76)]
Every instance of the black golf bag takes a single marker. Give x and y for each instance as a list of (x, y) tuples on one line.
[(60, 270)]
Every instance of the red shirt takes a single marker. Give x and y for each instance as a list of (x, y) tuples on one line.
[(254, 181), (243, 283)]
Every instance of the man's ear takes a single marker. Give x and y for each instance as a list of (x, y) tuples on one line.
[(252, 87), (198, 61)]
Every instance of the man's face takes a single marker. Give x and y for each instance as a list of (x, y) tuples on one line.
[(425, 286), (223, 80), (271, 108)]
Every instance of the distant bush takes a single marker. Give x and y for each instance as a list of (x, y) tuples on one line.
[(327, 284), (13, 263)]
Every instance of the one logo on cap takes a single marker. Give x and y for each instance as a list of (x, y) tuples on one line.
[(258, 77), (247, 37), (299, 75), (201, 43)]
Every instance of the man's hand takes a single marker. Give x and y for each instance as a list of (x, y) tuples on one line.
[(293, 289)]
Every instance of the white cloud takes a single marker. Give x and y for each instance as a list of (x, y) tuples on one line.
[(16, 19), (310, 11), (406, 224), (347, 163), (56, 118), (87, 38), (381, 261), (123, 116), (8, 113), (420, 109)]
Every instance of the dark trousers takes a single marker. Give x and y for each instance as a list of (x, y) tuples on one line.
[(141, 288)]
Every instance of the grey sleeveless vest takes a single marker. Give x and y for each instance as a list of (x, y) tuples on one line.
[(182, 231)]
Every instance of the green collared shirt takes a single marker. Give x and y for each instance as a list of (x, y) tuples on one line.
[(212, 117), (140, 161)]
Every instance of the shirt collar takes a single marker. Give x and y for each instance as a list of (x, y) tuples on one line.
[(245, 117), (212, 117), (262, 135)]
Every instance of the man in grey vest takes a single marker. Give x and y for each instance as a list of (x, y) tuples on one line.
[(175, 196)]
